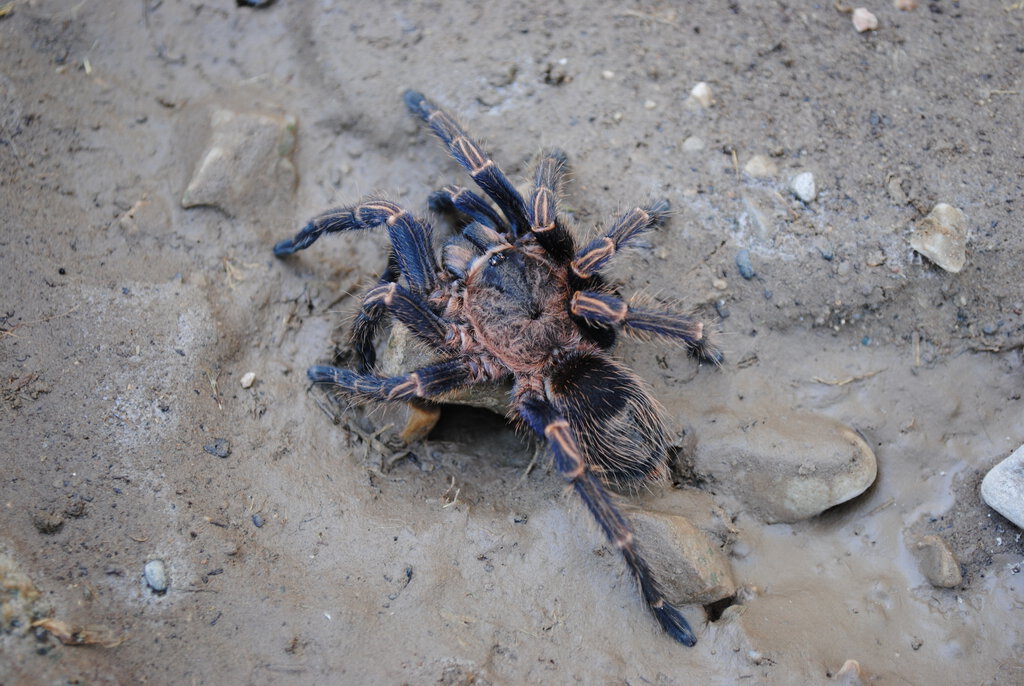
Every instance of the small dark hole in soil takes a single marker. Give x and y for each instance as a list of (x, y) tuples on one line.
[(716, 608)]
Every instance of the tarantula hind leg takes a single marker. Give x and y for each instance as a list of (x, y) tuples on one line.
[(546, 421)]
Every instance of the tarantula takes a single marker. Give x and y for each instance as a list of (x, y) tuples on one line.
[(516, 299)]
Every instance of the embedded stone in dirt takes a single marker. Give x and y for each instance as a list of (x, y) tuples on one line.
[(690, 565), (937, 562), (246, 161), (783, 468), (1002, 489), (942, 237)]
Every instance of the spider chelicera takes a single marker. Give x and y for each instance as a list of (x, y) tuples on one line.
[(515, 299)]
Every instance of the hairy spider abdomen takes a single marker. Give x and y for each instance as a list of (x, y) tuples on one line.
[(516, 302), (617, 423)]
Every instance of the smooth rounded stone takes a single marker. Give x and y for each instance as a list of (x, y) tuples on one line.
[(155, 573), (689, 564), (248, 379), (864, 20), (803, 186), (937, 561), (1002, 489), (744, 265), (782, 468), (245, 162), (760, 167), (942, 237)]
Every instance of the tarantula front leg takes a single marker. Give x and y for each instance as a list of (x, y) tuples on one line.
[(425, 383), (459, 199), (411, 239), (607, 310), (556, 240), (547, 422), (596, 254), (466, 152)]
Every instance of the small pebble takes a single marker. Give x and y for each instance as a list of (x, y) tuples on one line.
[(1002, 489), (155, 573), (864, 20), (760, 167), (650, 104), (905, 5), (720, 284), (693, 144), (220, 447), (257, 520), (937, 562), (803, 186), (942, 237), (850, 674), (608, 74), (47, 521), (744, 264), (247, 379), (701, 95)]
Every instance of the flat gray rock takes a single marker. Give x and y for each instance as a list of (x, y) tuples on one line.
[(786, 467), (1003, 487)]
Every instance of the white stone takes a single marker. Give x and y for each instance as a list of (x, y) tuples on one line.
[(247, 379), (864, 20), (701, 95), (803, 186), (760, 167), (784, 467), (1003, 487), (942, 237), (155, 573), (693, 144)]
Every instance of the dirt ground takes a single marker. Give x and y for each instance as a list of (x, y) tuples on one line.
[(128, 321)]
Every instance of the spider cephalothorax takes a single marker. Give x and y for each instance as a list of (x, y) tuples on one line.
[(515, 299)]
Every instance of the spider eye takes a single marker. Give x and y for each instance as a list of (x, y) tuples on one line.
[(496, 259)]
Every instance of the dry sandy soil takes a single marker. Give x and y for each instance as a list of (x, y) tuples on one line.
[(128, 321)]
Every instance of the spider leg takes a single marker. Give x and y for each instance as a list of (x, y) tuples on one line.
[(425, 383), (546, 421), (596, 254), (370, 317), (410, 309), (411, 239), (466, 152), (607, 310), (467, 202), (549, 231)]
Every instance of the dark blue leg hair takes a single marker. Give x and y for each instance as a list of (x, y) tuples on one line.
[(411, 310), (545, 420), (596, 254), (426, 382), (459, 199), (412, 240), (480, 166), (608, 310), (369, 319), (547, 182)]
